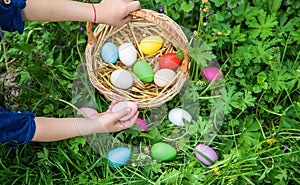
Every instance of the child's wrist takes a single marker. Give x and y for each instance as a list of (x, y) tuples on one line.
[(95, 13)]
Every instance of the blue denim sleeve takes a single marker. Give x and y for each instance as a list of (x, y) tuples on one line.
[(11, 15), (16, 128)]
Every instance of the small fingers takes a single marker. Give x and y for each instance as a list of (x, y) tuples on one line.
[(133, 6), (127, 19), (119, 114), (129, 123)]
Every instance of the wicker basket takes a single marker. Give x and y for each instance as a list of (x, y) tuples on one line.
[(144, 23)]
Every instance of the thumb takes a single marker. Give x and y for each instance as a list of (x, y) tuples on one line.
[(122, 113)]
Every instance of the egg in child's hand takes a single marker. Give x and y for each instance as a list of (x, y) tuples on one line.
[(127, 54), (121, 78), (109, 52), (123, 105)]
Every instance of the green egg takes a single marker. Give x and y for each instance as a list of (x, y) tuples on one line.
[(163, 152), (143, 71)]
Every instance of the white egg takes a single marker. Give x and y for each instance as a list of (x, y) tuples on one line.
[(121, 78), (177, 115), (163, 77), (127, 54)]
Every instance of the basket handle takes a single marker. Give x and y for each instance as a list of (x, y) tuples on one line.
[(153, 17), (90, 35)]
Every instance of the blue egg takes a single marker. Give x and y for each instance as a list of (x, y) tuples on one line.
[(118, 157), (109, 52)]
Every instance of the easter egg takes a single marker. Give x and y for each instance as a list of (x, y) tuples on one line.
[(212, 73), (163, 152), (205, 154), (143, 71), (177, 115), (127, 54), (109, 52), (121, 78), (151, 44), (163, 77), (118, 157), (122, 105), (169, 61), (141, 124)]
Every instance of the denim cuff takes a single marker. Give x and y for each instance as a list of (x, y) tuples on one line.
[(11, 15), (16, 128)]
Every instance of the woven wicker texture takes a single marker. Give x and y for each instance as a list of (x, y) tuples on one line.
[(144, 23)]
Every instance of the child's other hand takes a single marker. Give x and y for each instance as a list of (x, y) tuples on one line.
[(116, 13)]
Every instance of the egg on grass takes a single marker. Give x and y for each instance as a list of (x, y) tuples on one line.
[(118, 157), (178, 115), (212, 73), (205, 154), (163, 151)]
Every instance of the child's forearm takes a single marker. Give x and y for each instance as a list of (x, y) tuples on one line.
[(114, 13), (57, 10), (54, 129)]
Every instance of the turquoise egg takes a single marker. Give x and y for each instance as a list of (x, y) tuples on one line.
[(118, 157), (109, 52)]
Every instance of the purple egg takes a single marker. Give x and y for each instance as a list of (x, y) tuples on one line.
[(212, 73), (141, 124), (205, 150)]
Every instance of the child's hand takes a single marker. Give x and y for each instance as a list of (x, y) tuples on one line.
[(116, 13), (108, 121)]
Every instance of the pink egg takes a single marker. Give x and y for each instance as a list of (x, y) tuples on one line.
[(141, 123), (87, 112), (123, 105), (202, 150), (212, 73)]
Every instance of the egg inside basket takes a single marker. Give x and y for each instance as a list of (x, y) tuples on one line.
[(145, 23)]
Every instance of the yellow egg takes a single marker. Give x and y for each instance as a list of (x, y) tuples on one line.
[(151, 44)]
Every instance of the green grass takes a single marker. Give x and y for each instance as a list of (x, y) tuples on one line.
[(256, 106)]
